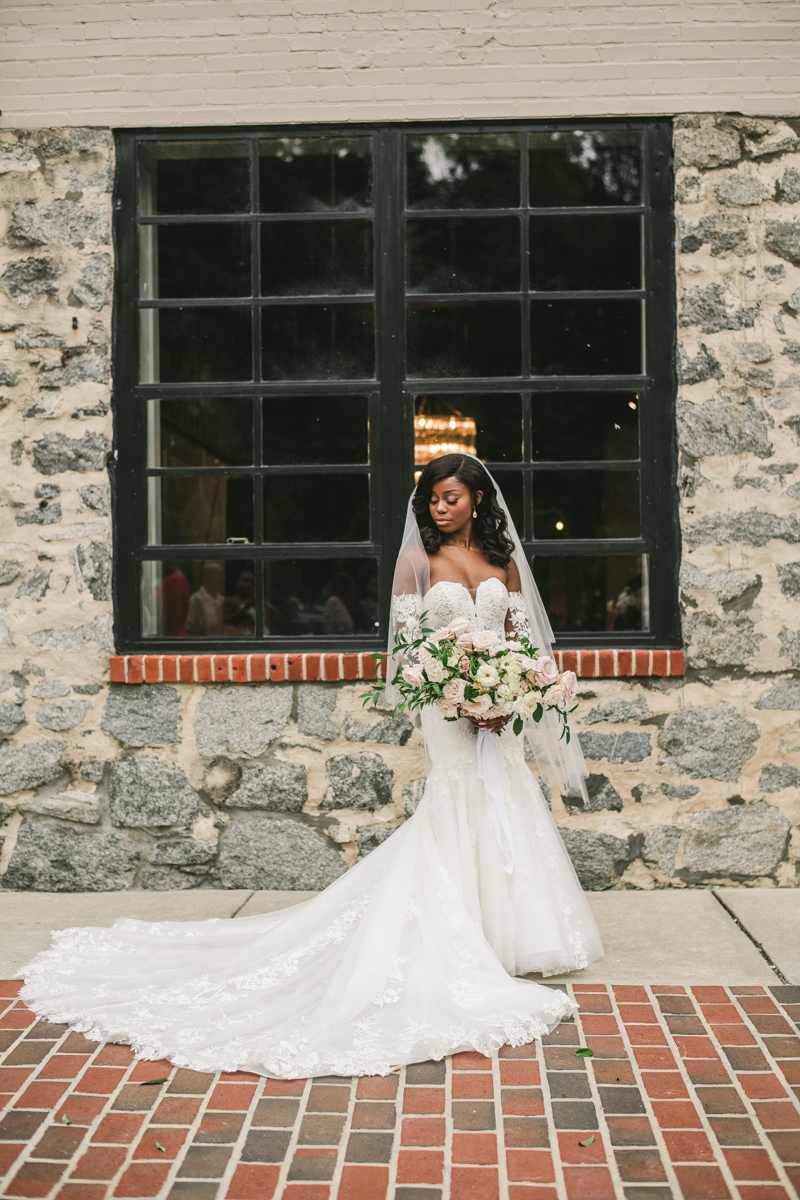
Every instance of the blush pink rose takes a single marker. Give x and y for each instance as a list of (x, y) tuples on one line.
[(447, 709), (414, 676), (546, 671), (555, 695), (454, 691), (484, 640), (476, 708), (570, 681), (464, 641), (463, 666)]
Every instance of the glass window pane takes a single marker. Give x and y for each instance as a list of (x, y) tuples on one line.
[(488, 426), (199, 433), (456, 341), (586, 504), (510, 484), (316, 508), (316, 429), (321, 597), (201, 509), (198, 598), (195, 345), (178, 261), (478, 254), (593, 594), (463, 170), (315, 174), (318, 341), (584, 425), (586, 337), (194, 177), (316, 258), (585, 168), (581, 253)]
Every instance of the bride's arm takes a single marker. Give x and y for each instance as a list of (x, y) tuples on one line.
[(517, 622)]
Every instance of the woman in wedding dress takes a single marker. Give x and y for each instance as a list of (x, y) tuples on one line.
[(412, 954)]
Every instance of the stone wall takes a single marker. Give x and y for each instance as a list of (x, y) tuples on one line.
[(102, 786)]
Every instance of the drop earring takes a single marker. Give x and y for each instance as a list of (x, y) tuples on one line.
[(474, 513)]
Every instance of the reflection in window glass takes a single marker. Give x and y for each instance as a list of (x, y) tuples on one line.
[(198, 598), (204, 260), (594, 594), (470, 339), (316, 508), (584, 425), (195, 345), (475, 254), (313, 258), (318, 341), (487, 426), (586, 504), (581, 253), (585, 168), (200, 433), (586, 337), (510, 484), (315, 174), (194, 177), (316, 429), (197, 509), (321, 597), (463, 170)]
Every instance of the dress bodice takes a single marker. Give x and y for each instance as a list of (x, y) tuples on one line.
[(447, 601)]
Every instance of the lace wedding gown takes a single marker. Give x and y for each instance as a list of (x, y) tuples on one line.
[(408, 956)]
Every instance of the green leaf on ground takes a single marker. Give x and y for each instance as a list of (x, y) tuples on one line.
[(161, 1148), (587, 1141), (152, 1082), (65, 1120), (584, 1052)]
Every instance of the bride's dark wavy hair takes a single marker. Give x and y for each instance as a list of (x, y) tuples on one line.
[(491, 526)]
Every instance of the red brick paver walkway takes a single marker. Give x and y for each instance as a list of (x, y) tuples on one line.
[(690, 1093)]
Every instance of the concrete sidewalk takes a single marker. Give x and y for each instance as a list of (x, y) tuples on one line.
[(687, 936)]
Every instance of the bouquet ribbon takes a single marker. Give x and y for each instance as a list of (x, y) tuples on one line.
[(488, 755)]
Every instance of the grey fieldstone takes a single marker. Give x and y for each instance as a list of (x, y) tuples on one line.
[(56, 453), (707, 148), (277, 787), (93, 569), (741, 842), (90, 138), (97, 496), (243, 720), (62, 223), (34, 337), (412, 794), (391, 731), (35, 764), (169, 879), (789, 187), (146, 792), (775, 777), (741, 191), (8, 378), (616, 747), (731, 588), (29, 278), (92, 770), (756, 352), (5, 811), (358, 781), (87, 689), (50, 689), (81, 807), (791, 350), (50, 514), (315, 704), (98, 630), (753, 527), (185, 852), (793, 423), (756, 378), (276, 853), (660, 848), (10, 568), (62, 716), (94, 286), (688, 190), (783, 239), (699, 369), (784, 695), (17, 158), (775, 271), (715, 428), (146, 715), (713, 310), (602, 795), (54, 858), (724, 233), (679, 791), (12, 718), (221, 778), (88, 367), (46, 491), (369, 837), (36, 584), (598, 858), (708, 743), (790, 645), (617, 711), (723, 641)]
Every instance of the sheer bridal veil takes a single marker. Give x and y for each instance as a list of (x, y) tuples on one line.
[(554, 756)]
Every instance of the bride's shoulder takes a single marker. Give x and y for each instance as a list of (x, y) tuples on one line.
[(512, 577), (412, 571)]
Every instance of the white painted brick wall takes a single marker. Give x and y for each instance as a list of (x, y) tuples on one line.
[(176, 62)]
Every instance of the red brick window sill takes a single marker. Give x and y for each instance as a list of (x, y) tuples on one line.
[(279, 668)]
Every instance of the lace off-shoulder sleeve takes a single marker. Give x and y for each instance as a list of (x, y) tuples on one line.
[(517, 622), (406, 614)]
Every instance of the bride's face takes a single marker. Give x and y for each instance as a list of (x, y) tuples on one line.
[(451, 505)]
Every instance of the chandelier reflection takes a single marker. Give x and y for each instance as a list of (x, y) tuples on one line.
[(434, 436)]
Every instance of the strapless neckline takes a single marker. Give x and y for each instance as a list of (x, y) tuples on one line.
[(474, 599)]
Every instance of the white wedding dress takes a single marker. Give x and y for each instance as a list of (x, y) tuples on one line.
[(408, 956)]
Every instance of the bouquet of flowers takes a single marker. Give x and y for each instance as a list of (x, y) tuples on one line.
[(479, 675)]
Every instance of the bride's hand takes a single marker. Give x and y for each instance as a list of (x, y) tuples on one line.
[(495, 724)]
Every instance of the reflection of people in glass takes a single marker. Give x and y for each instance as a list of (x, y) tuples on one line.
[(627, 609), (368, 607), (239, 610), (337, 618), (172, 598), (205, 606)]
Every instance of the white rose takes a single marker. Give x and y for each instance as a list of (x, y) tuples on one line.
[(545, 670), (484, 639), (555, 695), (505, 692), (414, 676), (570, 682), (464, 641), (435, 671), (526, 704), (487, 676), (476, 708), (454, 691)]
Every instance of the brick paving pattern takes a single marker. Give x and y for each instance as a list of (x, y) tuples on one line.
[(691, 1092)]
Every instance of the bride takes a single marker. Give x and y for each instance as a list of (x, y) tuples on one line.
[(412, 954)]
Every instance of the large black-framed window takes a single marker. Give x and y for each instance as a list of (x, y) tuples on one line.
[(305, 316)]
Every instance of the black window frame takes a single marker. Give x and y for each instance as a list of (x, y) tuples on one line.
[(391, 393)]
